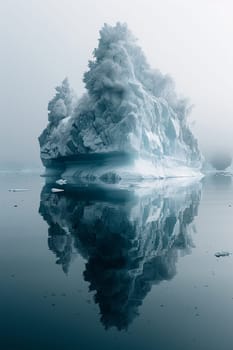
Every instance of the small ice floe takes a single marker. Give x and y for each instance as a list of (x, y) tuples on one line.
[(61, 182), (18, 189), (222, 254), (54, 190)]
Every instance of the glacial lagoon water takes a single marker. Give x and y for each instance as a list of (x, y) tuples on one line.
[(89, 268)]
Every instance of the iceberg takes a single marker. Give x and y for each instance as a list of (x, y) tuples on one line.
[(222, 254), (129, 123)]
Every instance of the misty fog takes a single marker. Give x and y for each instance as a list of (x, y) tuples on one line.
[(44, 41)]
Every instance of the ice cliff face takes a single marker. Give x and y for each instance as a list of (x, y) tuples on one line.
[(130, 240), (128, 108)]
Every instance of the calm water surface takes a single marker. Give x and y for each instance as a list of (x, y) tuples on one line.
[(87, 269)]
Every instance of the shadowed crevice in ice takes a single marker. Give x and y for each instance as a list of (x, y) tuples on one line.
[(130, 239)]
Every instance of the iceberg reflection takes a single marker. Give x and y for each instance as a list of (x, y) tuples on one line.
[(131, 239)]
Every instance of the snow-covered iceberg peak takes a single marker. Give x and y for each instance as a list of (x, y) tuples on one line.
[(128, 108)]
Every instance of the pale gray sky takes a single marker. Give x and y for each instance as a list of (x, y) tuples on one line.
[(42, 41)]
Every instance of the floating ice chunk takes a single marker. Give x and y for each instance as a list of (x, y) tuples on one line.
[(128, 108), (222, 254), (57, 190), (61, 182), (18, 189)]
